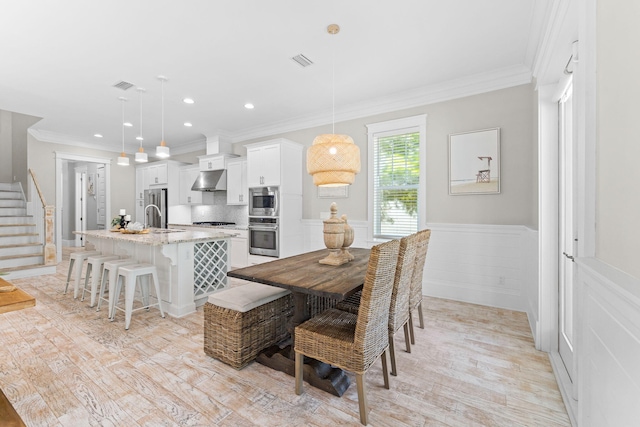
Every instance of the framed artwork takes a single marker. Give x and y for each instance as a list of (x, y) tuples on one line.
[(91, 184), (474, 162)]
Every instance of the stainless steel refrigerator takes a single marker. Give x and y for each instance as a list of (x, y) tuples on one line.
[(157, 197)]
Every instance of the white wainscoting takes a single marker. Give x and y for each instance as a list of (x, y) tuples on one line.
[(494, 265), (608, 322)]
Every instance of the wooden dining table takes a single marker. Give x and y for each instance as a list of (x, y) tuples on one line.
[(309, 282)]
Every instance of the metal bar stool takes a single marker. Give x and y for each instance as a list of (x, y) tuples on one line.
[(131, 275), (95, 264), (80, 257), (110, 273)]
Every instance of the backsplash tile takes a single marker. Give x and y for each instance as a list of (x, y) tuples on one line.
[(216, 209)]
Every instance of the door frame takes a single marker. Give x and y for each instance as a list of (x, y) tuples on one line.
[(60, 157), (80, 202), (584, 90)]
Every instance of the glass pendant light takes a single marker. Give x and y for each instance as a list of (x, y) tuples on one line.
[(162, 150), (141, 156), (123, 160), (333, 160)]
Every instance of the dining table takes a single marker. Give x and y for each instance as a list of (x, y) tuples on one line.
[(312, 284)]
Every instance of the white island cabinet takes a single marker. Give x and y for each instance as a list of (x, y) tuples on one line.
[(191, 264)]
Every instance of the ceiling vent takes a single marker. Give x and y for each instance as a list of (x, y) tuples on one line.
[(123, 85), (302, 60)]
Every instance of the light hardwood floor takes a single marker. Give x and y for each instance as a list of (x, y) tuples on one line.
[(64, 364)]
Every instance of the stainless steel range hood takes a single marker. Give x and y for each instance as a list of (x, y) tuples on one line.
[(215, 180)]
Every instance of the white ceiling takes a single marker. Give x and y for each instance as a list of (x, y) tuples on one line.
[(60, 60)]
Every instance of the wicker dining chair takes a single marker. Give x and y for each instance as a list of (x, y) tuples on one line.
[(399, 307), (415, 298), (349, 341)]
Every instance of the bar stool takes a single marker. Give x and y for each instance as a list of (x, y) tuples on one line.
[(109, 273), (80, 257), (130, 274), (94, 264)]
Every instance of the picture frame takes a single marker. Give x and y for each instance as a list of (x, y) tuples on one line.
[(474, 162), (91, 180), (341, 192)]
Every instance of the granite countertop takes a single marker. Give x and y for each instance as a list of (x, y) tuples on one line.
[(158, 237), (214, 227)]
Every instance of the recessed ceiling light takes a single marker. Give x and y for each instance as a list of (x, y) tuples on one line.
[(187, 124), (248, 106), (139, 138), (97, 135), (188, 101), (128, 124)]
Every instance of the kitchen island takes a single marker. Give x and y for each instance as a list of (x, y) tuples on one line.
[(191, 264)]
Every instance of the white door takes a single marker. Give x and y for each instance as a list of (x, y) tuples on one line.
[(567, 232), (101, 197), (80, 205)]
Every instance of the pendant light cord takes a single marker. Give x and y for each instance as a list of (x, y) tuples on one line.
[(333, 90), (141, 138), (162, 89), (122, 123)]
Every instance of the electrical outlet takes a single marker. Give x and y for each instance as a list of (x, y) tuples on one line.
[(502, 281)]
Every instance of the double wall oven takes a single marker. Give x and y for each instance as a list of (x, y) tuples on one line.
[(263, 221)]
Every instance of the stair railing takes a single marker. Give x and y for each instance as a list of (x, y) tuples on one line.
[(45, 224)]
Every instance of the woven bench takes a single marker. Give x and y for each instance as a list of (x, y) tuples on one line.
[(242, 321)]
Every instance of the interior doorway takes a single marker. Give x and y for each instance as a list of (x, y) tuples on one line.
[(96, 194)]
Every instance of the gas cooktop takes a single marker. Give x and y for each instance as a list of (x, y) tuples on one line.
[(213, 223)]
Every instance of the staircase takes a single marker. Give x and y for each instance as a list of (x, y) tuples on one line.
[(21, 248)]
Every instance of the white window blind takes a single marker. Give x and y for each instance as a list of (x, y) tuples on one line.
[(396, 178)]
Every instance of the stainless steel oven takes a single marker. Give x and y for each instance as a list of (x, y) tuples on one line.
[(263, 236), (263, 201)]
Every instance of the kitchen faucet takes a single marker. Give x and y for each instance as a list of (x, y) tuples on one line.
[(145, 214)]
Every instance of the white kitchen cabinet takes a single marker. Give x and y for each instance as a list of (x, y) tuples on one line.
[(239, 254), (139, 211), (237, 190), (212, 163), (263, 165), (157, 174), (162, 174), (188, 175)]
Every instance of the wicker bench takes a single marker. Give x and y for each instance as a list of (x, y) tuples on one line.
[(242, 321)]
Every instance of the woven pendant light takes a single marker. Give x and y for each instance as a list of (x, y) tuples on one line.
[(333, 160)]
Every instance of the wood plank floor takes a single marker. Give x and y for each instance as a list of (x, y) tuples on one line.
[(64, 364)]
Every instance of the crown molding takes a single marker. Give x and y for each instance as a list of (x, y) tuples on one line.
[(60, 138), (453, 89)]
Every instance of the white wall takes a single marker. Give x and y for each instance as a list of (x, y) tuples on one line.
[(510, 109), (618, 146)]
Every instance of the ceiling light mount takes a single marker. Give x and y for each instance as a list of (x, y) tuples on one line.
[(333, 29)]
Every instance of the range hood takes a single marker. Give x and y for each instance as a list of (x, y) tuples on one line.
[(215, 180)]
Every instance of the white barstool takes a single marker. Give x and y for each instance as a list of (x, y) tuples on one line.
[(130, 274), (77, 259), (94, 270), (109, 273)]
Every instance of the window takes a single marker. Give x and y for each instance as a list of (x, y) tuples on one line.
[(396, 176)]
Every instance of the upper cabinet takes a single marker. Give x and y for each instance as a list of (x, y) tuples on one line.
[(157, 174), (237, 190), (275, 163), (164, 173), (263, 165), (214, 162), (188, 175)]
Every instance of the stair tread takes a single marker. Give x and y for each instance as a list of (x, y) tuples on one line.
[(6, 257), (20, 245), (17, 225), (18, 235), (23, 267)]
